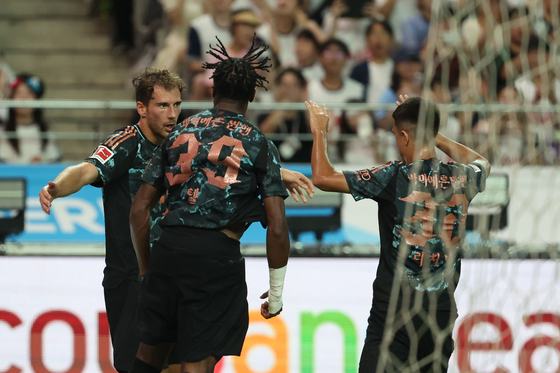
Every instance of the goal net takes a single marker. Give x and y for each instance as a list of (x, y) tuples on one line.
[(492, 66)]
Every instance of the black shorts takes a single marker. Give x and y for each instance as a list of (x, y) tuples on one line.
[(430, 353), (194, 294), (121, 303)]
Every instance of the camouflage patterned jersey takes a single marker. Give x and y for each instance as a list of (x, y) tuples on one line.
[(423, 206), (215, 165), (120, 159)]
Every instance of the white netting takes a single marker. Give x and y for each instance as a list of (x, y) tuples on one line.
[(493, 52)]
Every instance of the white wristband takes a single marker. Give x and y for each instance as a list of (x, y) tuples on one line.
[(276, 287)]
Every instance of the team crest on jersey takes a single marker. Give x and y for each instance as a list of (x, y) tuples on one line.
[(474, 167), (102, 154)]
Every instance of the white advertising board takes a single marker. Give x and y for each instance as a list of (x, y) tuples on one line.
[(52, 317)]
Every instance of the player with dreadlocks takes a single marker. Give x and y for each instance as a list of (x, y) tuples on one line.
[(221, 174)]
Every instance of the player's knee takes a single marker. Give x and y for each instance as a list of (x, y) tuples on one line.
[(204, 366), (139, 366)]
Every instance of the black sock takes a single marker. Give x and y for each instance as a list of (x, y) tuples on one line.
[(142, 367)]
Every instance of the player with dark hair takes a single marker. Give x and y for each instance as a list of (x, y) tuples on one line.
[(116, 165), (221, 174), (422, 211)]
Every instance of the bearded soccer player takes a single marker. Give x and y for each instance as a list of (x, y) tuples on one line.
[(221, 174), (117, 165), (422, 212)]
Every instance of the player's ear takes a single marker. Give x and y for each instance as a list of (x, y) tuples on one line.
[(141, 109), (406, 137), (253, 95)]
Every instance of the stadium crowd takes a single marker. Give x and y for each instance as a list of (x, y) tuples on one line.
[(359, 51)]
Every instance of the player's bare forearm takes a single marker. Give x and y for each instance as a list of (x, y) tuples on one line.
[(68, 182), (73, 178), (460, 153), (277, 233), (325, 177), (144, 202)]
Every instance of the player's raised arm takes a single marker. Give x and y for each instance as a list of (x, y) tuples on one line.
[(277, 252), (461, 153), (68, 182), (325, 177)]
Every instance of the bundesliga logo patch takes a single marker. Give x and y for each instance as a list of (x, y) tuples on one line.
[(102, 154), (474, 167)]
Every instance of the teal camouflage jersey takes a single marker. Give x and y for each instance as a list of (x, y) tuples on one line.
[(215, 166), (422, 206), (121, 159)]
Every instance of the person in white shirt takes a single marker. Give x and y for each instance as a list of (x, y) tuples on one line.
[(375, 73), (204, 30), (334, 87), (25, 137), (307, 53)]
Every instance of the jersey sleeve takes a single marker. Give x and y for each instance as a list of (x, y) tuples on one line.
[(370, 182), (269, 172), (155, 170), (115, 155), (476, 179)]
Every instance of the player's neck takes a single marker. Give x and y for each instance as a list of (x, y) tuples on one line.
[(148, 133), (425, 152), (231, 105)]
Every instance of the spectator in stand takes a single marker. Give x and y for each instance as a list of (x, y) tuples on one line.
[(473, 89), (483, 32), (415, 29), (180, 14), (512, 130), (449, 124), (307, 53), (523, 46), (358, 148), (334, 87), (396, 12), (281, 27), (551, 19), (446, 43), (7, 76), (406, 79), (542, 125), (123, 26), (343, 23), (204, 30), (25, 137), (290, 87), (243, 24), (375, 73)]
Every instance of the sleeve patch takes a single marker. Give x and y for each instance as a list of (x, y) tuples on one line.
[(474, 167), (102, 154)]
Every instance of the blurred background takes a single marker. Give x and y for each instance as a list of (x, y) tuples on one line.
[(65, 84)]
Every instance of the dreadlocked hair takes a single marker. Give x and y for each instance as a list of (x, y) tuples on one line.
[(237, 78)]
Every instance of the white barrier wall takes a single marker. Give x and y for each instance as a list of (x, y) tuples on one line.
[(52, 317)]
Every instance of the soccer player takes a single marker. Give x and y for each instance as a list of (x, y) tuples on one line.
[(422, 211), (116, 165), (221, 174)]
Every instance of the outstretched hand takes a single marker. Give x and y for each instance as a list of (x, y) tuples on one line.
[(47, 195), (402, 98), (319, 117), (264, 308), (297, 184)]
